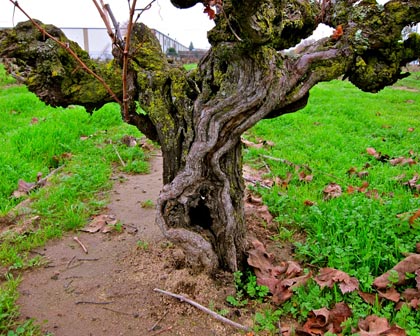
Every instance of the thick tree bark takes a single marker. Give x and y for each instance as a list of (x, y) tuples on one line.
[(198, 117)]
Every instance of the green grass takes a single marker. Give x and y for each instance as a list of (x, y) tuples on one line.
[(359, 235), (38, 138), (190, 66)]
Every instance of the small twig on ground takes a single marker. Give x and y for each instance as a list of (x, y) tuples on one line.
[(267, 167), (71, 260), (162, 331), (158, 321), (253, 181), (87, 259), (119, 156), (204, 309), (81, 244), (120, 312), (94, 302), (287, 162)]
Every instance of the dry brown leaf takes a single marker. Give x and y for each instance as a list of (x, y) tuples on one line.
[(309, 203), (303, 177), (377, 155), (338, 315), (390, 294), (410, 294), (363, 174), (101, 223), (377, 326), (352, 171), (254, 199), (409, 265), (23, 188), (351, 189), (283, 182), (374, 193), (371, 151), (280, 279), (332, 190), (412, 183), (252, 144), (369, 298), (323, 320), (328, 276), (402, 161), (414, 217)]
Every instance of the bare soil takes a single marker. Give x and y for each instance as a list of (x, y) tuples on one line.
[(109, 290)]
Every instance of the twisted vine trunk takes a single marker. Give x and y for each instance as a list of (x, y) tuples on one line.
[(201, 208), (198, 117)]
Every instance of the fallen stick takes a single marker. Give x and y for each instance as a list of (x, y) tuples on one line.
[(204, 309), (81, 244), (120, 312), (158, 321), (70, 262), (162, 331), (119, 156), (94, 302)]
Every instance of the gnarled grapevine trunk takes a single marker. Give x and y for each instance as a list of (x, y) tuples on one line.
[(198, 117)]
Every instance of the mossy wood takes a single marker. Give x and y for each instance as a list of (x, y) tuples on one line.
[(198, 117)]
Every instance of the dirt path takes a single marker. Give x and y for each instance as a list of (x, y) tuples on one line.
[(109, 291)]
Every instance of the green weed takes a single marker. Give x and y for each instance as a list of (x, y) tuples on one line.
[(143, 245), (148, 204)]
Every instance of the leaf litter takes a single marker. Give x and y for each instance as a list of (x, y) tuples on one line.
[(101, 223), (281, 278)]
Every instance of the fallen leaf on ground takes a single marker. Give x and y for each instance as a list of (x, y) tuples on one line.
[(369, 298), (412, 183), (409, 265), (412, 297), (401, 161), (377, 155), (256, 206), (323, 320), (390, 294), (332, 190), (376, 326), (252, 144), (280, 279), (329, 276), (101, 223), (414, 217), (283, 182), (23, 188), (303, 177)]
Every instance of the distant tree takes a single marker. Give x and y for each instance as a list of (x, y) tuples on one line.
[(191, 47), (171, 52), (198, 118)]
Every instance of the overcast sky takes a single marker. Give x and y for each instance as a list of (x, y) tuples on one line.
[(186, 25)]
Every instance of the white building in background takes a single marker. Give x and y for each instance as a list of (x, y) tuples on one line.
[(94, 40), (98, 44)]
